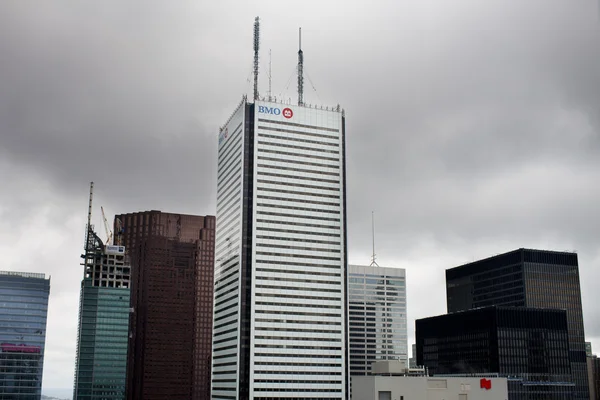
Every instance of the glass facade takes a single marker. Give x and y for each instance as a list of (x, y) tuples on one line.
[(527, 278), (102, 351), (528, 346), (377, 312), (172, 299), (101, 359), (23, 315)]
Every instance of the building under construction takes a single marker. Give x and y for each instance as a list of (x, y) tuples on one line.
[(101, 361)]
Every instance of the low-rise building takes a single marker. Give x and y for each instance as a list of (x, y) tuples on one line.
[(428, 388)]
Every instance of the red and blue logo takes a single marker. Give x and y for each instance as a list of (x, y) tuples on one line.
[(286, 112)]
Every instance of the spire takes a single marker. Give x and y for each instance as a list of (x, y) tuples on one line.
[(373, 262), (300, 69)]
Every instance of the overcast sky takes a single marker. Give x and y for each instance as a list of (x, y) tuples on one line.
[(473, 127)]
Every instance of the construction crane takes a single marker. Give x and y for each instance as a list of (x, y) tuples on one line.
[(108, 231)]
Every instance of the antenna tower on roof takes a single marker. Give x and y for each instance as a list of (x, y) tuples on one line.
[(300, 69), (256, 43), (269, 95), (373, 262)]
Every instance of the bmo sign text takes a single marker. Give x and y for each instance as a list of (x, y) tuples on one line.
[(286, 112)]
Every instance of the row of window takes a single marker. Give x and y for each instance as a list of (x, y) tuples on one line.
[(303, 149)]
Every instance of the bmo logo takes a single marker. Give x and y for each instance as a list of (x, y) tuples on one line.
[(286, 112)]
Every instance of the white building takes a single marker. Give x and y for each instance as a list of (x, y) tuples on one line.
[(377, 312), (428, 388), (280, 278)]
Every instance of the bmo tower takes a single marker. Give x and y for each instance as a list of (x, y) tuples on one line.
[(280, 325)]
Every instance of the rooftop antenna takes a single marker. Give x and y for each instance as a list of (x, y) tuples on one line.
[(269, 74), (256, 37), (373, 262), (300, 69)]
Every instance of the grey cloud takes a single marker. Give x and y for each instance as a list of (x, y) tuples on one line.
[(473, 127)]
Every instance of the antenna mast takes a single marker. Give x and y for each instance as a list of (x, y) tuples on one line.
[(269, 74), (256, 42), (373, 262), (300, 69)]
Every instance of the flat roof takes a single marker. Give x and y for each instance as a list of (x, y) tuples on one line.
[(37, 275)]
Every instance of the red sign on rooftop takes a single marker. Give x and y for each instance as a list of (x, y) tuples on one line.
[(485, 383)]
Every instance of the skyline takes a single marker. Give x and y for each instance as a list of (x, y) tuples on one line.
[(465, 145)]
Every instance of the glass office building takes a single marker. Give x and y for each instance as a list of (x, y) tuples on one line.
[(23, 315), (101, 359), (377, 312), (172, 259), (526, 278), (529, 346)]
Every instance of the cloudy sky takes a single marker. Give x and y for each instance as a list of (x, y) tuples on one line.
[(473, 127)]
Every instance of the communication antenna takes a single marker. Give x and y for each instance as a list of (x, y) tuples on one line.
[(300, 69), (269, 74), (373, 262), (256, 40)]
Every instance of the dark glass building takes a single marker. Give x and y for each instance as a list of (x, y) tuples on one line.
[(526, 278), (23, 314), (529, 346), (171, 298), (101, 359), (593, 363)]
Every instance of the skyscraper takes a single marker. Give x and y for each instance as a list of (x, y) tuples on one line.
[(101, 358), (23, 315), (377, 311), (280, 325), (100, 364), (171, 298), (526, 278)]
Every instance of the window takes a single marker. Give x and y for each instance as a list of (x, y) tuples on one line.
[(385, 395)]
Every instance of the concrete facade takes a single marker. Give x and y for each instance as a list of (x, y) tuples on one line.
[(428, 388), (280, 321)]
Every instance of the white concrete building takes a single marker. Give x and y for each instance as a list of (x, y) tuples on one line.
[(428, 388), (280, 329)]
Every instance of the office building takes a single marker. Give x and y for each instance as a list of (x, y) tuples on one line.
[(593, 364), (280, 325), (412, 361), (529, 346), (377, 312), (526, 278), (23, 315), (172, 259), (588, 349), (101, 358)]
